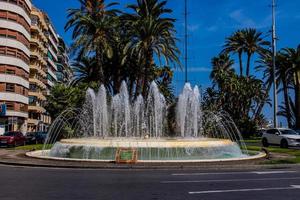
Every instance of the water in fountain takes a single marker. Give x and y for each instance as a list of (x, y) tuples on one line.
[(126, 119), (189, 112), (106, 123)]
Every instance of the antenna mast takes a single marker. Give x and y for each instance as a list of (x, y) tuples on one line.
[(186, 40), (274, 63)]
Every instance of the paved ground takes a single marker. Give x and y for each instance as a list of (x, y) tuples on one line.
[(125, 184)]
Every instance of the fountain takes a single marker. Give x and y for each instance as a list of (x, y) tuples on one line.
[(106, 124)]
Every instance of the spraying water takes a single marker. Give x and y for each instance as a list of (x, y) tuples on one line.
[(117, 121)]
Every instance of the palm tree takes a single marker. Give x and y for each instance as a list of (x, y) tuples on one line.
[(152, 34), (293, 57), (235, 44), (253, 43), (265, 64), (284, 77), (93, 28), (221, 65), (84, 70)]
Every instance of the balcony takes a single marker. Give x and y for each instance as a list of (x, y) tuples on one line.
[(36, 108), (39, 44), (33, 121), (38, 69), (37, 82), (39, 95)]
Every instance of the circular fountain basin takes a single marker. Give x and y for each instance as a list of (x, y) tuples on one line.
[(148, 150)]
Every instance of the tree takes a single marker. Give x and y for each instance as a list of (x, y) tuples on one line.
[(93, 28), (248, 41), (284, 77), (253, 43), (238, 96), (84, 69), (235, 44), (63, 97), (221, 66), (151, 34), (293, 58)]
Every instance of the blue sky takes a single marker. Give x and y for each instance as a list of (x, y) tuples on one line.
[(210, 21)]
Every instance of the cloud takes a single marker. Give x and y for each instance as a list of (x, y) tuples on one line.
[(244, 21), (212, 28), (241, 18), (193, 27)]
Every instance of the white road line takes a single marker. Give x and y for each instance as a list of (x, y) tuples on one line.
[(230, 180), (274, 172), (232, 173), (292, 187)]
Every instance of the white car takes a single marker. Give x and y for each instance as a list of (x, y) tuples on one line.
[(281, 136)]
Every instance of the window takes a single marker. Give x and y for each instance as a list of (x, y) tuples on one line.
[(9, 105), (23, 91), (23, 108), (10, 71), (10, 87), (272, 131)]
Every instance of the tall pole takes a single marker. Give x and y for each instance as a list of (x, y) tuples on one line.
[(185, 40), (274, 63)]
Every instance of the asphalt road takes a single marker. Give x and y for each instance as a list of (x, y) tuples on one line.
[(87, 184)]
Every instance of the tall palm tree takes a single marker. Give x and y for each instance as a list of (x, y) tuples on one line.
[(84, 69), (284, 77), (253, 43), (221, 65), (235, 44), (152, 34), (93, 28), (265, 64), (293, 57)]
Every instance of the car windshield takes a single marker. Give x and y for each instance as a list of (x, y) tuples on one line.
[(289, 132), (9, 134)]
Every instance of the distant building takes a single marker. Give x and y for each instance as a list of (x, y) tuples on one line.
[(64, 72), (32, 59)]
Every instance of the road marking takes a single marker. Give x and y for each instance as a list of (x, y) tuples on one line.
[(292, 187), (274, 172), (230, 180), (232, 173)]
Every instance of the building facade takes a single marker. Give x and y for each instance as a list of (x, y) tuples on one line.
[(15, 21), (32, 59), (38, 71)]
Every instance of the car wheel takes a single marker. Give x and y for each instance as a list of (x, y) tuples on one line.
[(265, 142), (284, 144)]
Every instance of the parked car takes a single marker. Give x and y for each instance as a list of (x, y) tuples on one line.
[(259, 132), (41, 137), (31, 138), (281, 136), (12, 139)]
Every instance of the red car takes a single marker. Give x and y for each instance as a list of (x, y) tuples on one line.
[(12, 138)]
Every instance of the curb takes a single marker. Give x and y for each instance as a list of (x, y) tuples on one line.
[(11, 159)]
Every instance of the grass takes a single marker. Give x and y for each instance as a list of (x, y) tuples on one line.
[(294, 154), (30, 147)]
